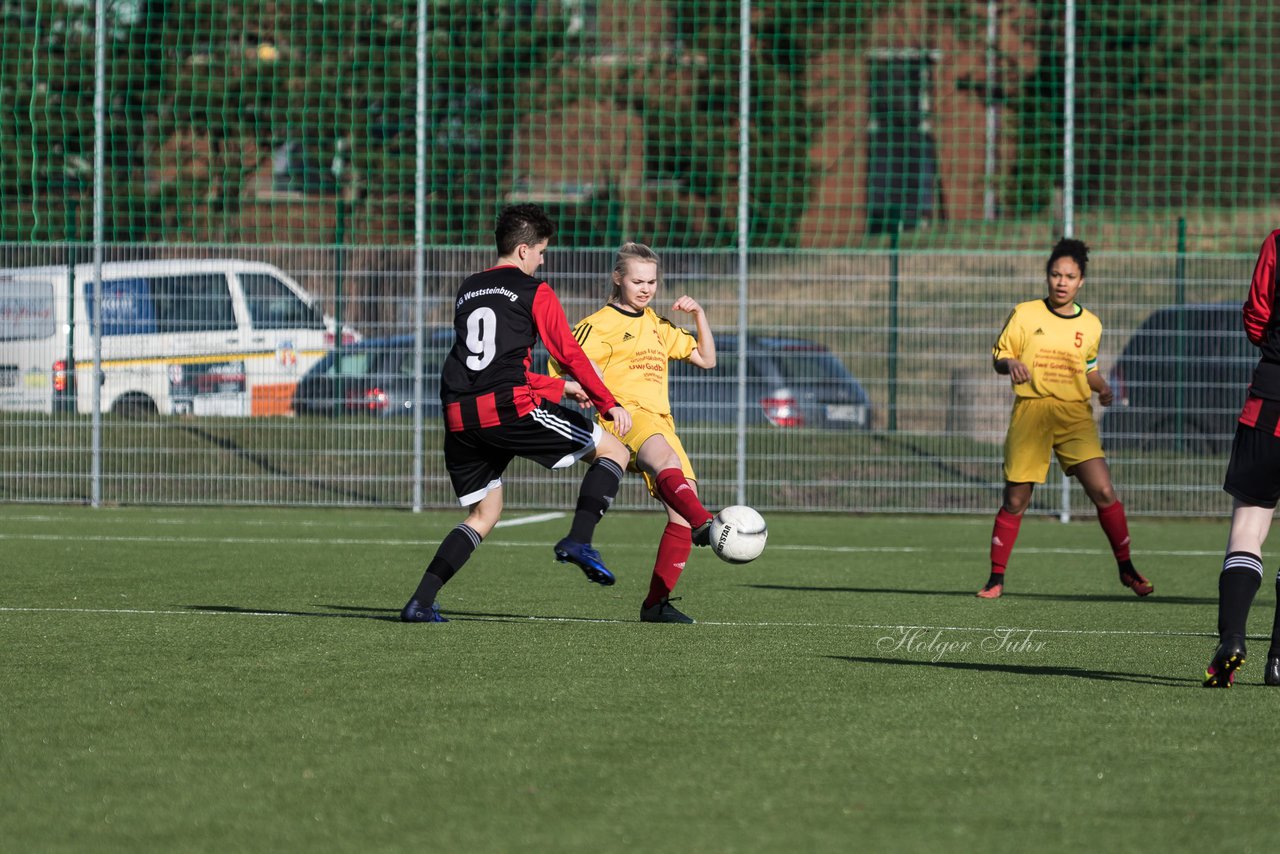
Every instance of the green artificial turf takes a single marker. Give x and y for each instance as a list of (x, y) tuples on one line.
[(195, 679)]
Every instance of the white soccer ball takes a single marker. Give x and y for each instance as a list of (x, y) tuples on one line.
[(738, 534)]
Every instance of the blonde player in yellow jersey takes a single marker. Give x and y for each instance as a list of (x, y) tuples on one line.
[(1049, 350), (631, 345)]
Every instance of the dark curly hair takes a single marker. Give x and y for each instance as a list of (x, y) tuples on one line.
[(1069, 247), (518, 224)]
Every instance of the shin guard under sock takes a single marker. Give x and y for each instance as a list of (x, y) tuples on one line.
[(599, 488), (1240, 579), (673, 551), (454, 551)]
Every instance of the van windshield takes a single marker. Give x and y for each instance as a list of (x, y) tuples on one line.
[(273, 305), (26, 311)]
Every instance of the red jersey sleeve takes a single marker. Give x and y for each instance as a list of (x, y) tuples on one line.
[(564, 348), (1257, 308), (545, 387)]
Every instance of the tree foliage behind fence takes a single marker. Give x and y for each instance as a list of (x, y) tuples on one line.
[(255, 122)]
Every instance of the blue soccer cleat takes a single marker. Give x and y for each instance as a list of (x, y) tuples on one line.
[(416, 612), (587, 559)]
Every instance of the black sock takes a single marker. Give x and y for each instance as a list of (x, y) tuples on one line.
[(599, 488), (1275, 626), (1240, 579), (453, 552), (996, 578)]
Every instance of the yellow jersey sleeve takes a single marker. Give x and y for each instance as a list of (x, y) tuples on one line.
[(1091, 351), (1009, 343), (680, 342)]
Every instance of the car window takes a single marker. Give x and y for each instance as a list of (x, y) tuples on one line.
[(26, 311), (353, 364), (127, 307), (809, 365), (273, 304), (399, 362), (194, 303)]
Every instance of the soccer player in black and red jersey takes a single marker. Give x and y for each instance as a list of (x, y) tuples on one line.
[(1253, 481), (495, 409)]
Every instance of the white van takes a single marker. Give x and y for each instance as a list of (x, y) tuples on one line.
[(219, 337)]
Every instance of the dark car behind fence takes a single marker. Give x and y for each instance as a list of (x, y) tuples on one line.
[(1180, 381), (790, 382)]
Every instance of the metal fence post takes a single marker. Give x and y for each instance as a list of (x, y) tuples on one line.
[(1179, 337), (894, 237)]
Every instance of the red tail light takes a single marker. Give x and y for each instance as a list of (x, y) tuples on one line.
[(348, 337), (60, 375), (782, 411), (369, 400)]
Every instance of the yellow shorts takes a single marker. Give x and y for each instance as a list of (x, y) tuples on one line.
[(644, 426), (1040, 426)]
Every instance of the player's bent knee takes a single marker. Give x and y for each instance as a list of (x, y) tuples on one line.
[(661, 464), (1103, 498), (1017, 498), (612, 448)]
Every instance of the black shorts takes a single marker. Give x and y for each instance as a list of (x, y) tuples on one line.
[(550, 435), (1253, 475)]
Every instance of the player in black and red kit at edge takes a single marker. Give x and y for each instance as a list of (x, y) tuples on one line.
[(495, 409), (1253, 481)]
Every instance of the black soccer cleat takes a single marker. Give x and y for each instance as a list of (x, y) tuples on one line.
[(702, 534), (416, 612), (1271, 674), (587, 559), (1227, 659), (663, 612)]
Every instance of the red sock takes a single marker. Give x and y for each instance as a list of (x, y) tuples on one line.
[(1116, 527), (678, 494), (673, 551), (1003, 535)]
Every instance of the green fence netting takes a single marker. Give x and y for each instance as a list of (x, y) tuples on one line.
[(297, 122)]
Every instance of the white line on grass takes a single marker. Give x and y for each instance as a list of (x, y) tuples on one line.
[(300, 523), (347, 541), (530, 520), (201, 612)]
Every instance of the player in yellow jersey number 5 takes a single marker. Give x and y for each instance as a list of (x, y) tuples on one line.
[(1049, 350)]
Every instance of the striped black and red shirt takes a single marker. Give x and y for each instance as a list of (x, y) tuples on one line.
[(499, 314)]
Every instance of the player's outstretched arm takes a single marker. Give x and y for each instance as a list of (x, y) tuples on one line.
[(704, 355)]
